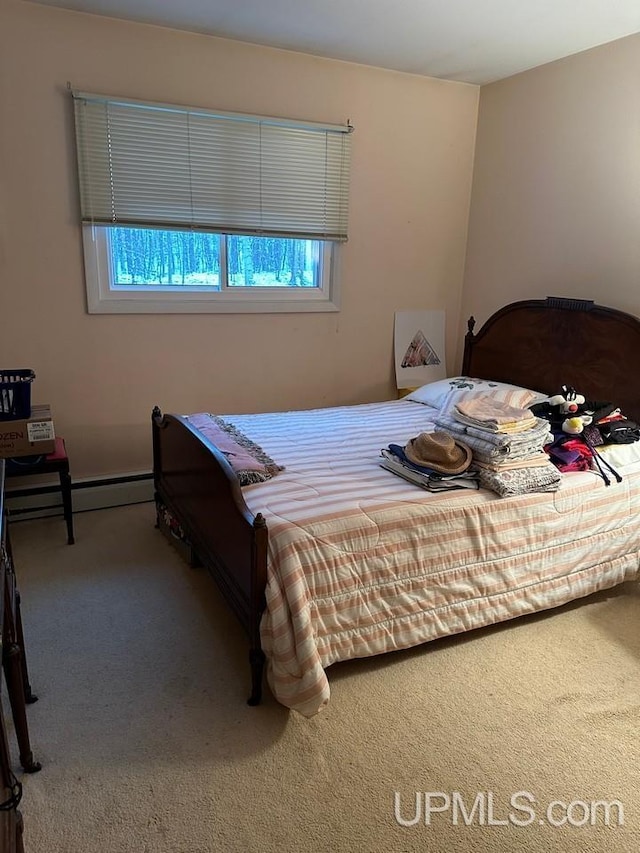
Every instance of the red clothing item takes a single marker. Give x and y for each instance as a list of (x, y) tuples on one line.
[(570, 454)]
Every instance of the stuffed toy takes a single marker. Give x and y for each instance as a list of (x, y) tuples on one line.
[(567, 402), (567, 410), (573, 448)]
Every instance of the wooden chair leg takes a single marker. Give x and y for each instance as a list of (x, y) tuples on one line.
[(11, 793), (6, 776), (19, 833), (11, 661), (29, 696)]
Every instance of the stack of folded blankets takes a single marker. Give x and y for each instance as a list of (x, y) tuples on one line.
[(507, 445)]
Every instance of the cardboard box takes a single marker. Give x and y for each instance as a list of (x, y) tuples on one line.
[(28, 437)]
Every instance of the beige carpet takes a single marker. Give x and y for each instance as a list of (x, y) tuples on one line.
[(148, 746)]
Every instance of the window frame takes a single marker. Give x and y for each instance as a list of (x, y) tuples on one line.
[(103, 297)]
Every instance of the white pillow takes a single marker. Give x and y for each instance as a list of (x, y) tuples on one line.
[(445, 393), (620, 455)]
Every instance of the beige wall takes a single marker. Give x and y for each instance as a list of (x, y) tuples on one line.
[(556, 189), (411, 178)]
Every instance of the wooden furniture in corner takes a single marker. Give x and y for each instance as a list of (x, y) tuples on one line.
[(56, 462), (14, 664)]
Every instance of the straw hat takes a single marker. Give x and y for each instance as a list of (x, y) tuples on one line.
[(440, 451)]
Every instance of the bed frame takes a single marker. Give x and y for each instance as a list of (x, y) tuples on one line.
[(539, 343)]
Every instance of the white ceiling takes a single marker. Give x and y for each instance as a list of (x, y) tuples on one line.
[(476, 41)]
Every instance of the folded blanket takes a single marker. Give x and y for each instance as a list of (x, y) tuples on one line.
[(498, 445), (521, 481), (249, 461), (489, 413), (488, 408), (509, 427), (538, 460)]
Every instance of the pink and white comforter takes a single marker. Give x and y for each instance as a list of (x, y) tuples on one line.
[(361, 562)]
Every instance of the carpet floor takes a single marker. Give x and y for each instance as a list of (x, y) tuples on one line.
[(148, 745)]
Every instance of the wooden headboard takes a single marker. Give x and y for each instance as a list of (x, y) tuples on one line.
[(546, 343)]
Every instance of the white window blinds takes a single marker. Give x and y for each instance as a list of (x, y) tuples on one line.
[(162, 166)]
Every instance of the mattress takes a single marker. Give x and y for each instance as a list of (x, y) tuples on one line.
[(362, 562)]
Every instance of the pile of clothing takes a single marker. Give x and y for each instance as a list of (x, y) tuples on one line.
[(507, 444), (580, 427), (435, 461)]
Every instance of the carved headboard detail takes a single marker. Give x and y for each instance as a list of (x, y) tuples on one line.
[(546, 343)]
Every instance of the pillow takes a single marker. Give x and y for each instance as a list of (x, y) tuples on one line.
[(620, 455), (445, 393)]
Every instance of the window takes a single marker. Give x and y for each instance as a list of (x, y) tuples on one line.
[(188, 210), (136, 270)]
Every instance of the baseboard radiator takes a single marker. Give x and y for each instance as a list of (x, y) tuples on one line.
[(45, 499)]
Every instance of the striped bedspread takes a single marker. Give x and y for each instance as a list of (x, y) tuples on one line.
[(361, 562)]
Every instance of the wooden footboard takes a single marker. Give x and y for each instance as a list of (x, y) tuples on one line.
[(193, 479)]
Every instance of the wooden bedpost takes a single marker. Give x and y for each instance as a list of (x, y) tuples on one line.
[(156, 418), (258, 603), (256, 661), (468, 343)]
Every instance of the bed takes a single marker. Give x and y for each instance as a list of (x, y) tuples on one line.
[(335, 558)]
